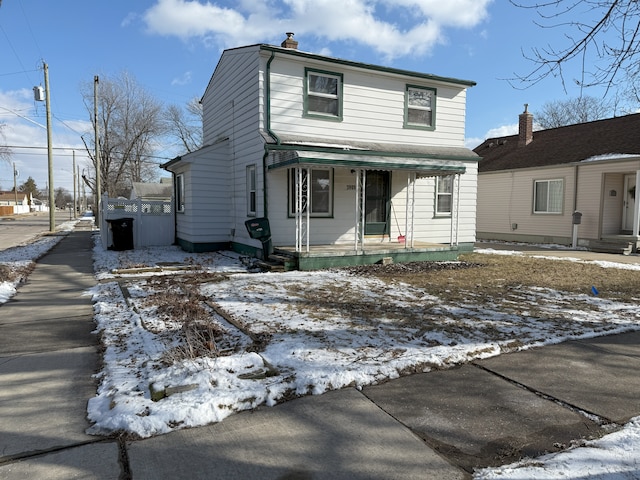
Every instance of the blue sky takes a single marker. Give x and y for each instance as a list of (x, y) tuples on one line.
[(172, 46)]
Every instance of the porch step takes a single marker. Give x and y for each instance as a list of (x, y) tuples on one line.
[(277, 263), (622, 247)]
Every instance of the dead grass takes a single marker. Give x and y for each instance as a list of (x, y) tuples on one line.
[(495, 275)]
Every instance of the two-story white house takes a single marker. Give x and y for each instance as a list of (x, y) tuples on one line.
[(341, 162)]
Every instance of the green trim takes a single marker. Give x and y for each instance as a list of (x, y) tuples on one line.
[(373, 165), (305, 98), (417, 126), (372, 153), (378, 68), (446, 254)]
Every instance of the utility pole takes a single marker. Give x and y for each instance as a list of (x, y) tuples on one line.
[(75, 199), (52, 207), (97, 153), (15, 188)]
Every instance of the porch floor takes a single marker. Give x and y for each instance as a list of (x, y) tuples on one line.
[(340, 255)]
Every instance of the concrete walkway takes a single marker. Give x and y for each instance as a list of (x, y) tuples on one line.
[(440, 425)]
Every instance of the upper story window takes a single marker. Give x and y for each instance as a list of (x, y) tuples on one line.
[(323, 94), (419, 107), (547, 196)]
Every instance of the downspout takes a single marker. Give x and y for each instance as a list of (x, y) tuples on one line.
[(267, 101)]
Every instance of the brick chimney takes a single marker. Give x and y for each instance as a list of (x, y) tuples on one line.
[(289, 42), (525, 127)]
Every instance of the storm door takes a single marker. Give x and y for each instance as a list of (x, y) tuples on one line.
[(377, 196), (629, 202)]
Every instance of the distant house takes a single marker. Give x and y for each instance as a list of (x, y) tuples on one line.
[(13, 198), (530, 185), (338, 162), (152, 191)]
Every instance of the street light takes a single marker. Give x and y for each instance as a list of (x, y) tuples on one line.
[(37, 95)]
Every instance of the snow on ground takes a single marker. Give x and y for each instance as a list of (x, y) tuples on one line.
[(280, 335)]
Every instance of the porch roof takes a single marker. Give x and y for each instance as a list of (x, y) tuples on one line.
[(423, 164)]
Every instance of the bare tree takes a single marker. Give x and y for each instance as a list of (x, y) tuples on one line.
[(130, 125), (185, 125), (559, 113), (602, 33), (5, 152)]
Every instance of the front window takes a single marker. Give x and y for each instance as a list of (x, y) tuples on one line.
[(420, 107), (444, 195), (323, 94), (321, 188), (548, 196), (179, 186)]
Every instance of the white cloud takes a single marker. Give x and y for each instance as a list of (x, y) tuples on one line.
[(392, 27), (185, 79)]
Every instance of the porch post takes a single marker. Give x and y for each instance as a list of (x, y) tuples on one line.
[(455, 205), (409, 210), (636, 207), (302, 217), (363, 196)]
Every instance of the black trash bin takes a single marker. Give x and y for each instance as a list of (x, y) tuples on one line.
[(259, 228), (122, 230)]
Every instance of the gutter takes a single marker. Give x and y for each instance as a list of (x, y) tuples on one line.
[(267, 91)]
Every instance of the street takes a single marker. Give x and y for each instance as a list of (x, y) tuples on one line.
[(17, 229)]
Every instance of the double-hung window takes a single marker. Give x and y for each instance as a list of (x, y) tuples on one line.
[(179, 192), (323, 94), (251, 190), (444, 195), (547, 196), (420, 105), (320, 188)]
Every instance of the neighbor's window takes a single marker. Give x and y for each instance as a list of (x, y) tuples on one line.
[(321, 187), (547, 196), (420, 107), (179, 186), (444, 195), (251, 190), (323, 94)]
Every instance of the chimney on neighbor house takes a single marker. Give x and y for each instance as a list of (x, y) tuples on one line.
[(525, 127), (289, 42)]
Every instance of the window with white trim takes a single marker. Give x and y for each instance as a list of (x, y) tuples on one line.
[(179, 192), (444, 195), (321, 187), (251, 190), (420, 107), (547, 196), (323, 94)]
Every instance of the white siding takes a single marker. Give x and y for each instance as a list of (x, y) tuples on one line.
[(373, 106), (340, 228), (231, 102), (505, 200), (206, 217)]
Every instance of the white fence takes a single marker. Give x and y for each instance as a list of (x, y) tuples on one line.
[(153, 221)]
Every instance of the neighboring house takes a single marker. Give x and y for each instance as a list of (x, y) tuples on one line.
[(152, 191), (11, 198), (343, 162), (530, 185)]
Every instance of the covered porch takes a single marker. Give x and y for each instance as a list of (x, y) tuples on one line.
[(374, 219)]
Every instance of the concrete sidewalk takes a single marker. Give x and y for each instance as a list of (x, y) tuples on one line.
[(440, 425)]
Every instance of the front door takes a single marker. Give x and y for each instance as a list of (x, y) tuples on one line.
[(629, 202), (377, 196)]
